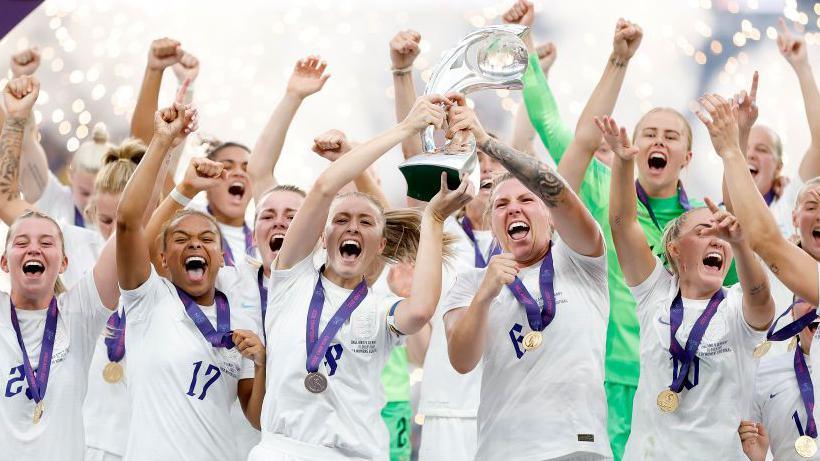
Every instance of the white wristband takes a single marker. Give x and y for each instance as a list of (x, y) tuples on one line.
[(178, 197)]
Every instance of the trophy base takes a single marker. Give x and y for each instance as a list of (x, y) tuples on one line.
[(423, 173)]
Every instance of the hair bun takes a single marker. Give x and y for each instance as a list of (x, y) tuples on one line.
[(100, 133)]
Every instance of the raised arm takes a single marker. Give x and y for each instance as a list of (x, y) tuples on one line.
[(308, 77), (758, 305), (133, 256), (746, 117), (308, 223), (794, 267), (404, 48), (201, 175), (164, 52), (523, 130), (415, 311), (331, 145), (569, 215), (19, 96), (634, 254), (601, 103), (793, 48)]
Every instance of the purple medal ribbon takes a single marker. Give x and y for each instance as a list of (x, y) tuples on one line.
[(769, 197), (221, 337), (686, 356), (263, 298), (792, 328), (38, 381), (538, 319), (801, 371), (480, 262), (315, 343), (643, 197), (115, 344), (229, 259), (79, 221)]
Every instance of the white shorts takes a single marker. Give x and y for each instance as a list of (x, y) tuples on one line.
[(276, 447), (448, 439), (95, 454)]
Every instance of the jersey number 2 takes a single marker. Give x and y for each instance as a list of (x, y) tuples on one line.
[(212, 371)]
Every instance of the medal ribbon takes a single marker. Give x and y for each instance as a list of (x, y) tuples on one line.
[(79, 221), (643, 197), (221, 337), (769, 197), (538, 319), (229, 258), (687, 355), (792, 328), (115, 344), (801, 371), (316, 343), (480, 262), (263, 298), (38, 382)]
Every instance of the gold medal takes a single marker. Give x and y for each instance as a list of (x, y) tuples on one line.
[(668, 401), (40, 408), (112, 373), (805, 446), (532, 340), (762, 348), (792, 344)]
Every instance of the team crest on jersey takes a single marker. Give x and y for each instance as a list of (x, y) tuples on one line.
[(230, 360), (363, 324)]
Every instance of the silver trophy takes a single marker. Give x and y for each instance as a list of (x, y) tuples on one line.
[(490, 58)]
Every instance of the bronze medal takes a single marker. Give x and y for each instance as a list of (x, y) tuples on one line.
[(668, 401), (762, 348), (315, 382), (40, 408), (532, 340), (113, 372), (805, 446)]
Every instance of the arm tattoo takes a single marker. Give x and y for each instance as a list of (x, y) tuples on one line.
[(538, 177), (11, 143)]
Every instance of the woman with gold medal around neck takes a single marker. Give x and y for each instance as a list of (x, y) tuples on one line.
[(697, 339), (535, 316)]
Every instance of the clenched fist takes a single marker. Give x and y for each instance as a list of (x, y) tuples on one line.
[(522, 12), (500, 272), (173, 123), (20, 95), (187, 68), (404, 48), (331, 144), (201, 174), (164, 52), (626, 41), (25, 62)]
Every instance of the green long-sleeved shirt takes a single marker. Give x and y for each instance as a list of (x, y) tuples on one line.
[(622, 343)]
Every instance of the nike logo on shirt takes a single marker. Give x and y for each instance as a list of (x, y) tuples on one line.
[(771, 396)]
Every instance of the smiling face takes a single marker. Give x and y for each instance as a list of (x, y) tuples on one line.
[(490, 167), (806, 219), (353, 236), (34, 257), (700, 260), (273, 217), (520, 221), (663, 139), (229, 200), (82, 186), (192, 253), (762, 157), (105, 213)]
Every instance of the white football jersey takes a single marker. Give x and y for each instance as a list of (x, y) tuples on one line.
[(705, 424), (346, 416), (548, 402), (182, 388), (59, 434)]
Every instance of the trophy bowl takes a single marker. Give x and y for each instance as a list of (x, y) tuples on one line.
[(493, 57)]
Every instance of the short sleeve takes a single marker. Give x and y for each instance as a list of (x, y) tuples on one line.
[(391, 304), (659, 281), (246, 368), (88, 314), (139, 301), (282, 280), (463, 289), (594, 266)]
